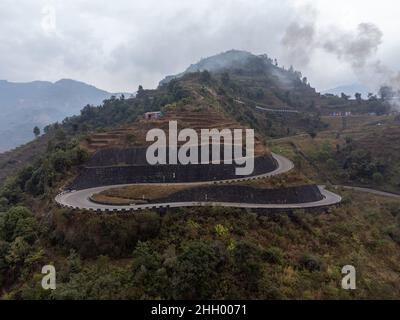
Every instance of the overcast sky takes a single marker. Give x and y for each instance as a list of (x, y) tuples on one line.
[(117, 45)]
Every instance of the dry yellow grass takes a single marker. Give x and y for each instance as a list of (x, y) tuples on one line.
[(136, 194), (285, 180), (142, 194), (336, 123), (104, 199)]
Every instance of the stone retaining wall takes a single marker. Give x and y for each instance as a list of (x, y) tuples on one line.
[(133, 156), (91, 177), (245, 194)]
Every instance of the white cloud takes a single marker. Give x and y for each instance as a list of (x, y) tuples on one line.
[(117, 45)]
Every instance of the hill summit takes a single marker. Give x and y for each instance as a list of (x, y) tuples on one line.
[(226, 60)]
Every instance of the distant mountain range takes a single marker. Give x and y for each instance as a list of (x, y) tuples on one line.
[(350, 90), (39, 103)]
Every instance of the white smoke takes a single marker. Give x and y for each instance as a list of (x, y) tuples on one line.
[(357, 47)]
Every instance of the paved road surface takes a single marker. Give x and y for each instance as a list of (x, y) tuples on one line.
[(372, 191), (277, 110), (81, 199)]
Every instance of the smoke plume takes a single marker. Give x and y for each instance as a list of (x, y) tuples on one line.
[(358, 48), (299, 42), (354, 47)]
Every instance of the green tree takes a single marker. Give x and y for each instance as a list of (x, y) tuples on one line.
[(344, 96), (194, 268), (19, 250), (372, 97), (274, 255), (71, 267), (4, 246), (3, 204), (36, 184), (145, 266), (140, 92), (11, 191), (221, 231), (19, 222), (60, 161), (378, 178), (61, 135), (247, 259), (36, 131)]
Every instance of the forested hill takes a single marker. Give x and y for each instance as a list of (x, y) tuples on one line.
[(238, 85), (235, 91)]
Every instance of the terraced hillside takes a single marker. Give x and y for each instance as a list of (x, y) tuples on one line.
[(118, 156), (197, 118)]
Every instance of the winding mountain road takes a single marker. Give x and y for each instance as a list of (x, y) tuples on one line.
[(81, 199), (372, 191)]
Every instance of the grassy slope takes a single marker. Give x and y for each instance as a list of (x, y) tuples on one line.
[(324, 157), (294, 256), (18, 158)]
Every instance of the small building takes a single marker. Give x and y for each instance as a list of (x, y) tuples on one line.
[(152, 115)]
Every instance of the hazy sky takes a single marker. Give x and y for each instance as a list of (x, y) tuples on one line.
[(117, 45)]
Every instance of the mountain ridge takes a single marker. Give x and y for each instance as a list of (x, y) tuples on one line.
[(349, 89), (25, 105)]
